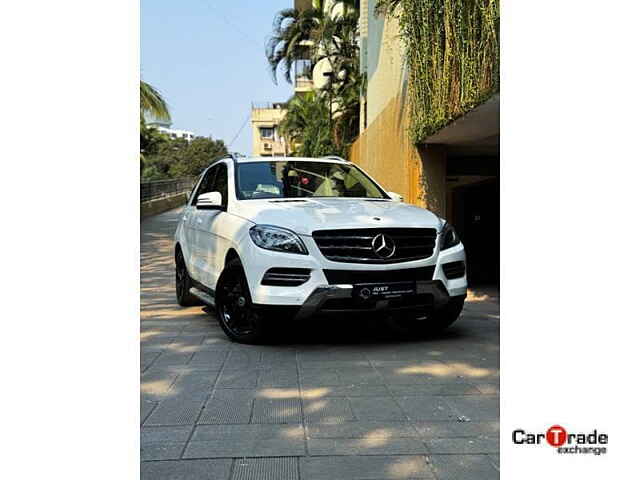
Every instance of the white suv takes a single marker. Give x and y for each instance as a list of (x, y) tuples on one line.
[(262, 239)]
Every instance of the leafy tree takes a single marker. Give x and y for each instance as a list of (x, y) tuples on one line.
[(197, 156), (150, 139), (158, 165), (152, 104), (175, 158)]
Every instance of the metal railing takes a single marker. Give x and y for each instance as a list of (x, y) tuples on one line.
[(165, 188), (268, 105)]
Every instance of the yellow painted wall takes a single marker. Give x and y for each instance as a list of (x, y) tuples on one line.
[(385, 151), (387, 75), (383, 148)]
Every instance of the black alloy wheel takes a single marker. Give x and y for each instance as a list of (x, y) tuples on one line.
[(239, 319), (184, 284)]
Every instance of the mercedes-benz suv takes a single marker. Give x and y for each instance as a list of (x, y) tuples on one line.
[(263, 239)]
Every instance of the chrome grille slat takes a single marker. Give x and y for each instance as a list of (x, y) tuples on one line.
[(346, 237), (346, 247), (286, 277), (371, 260)]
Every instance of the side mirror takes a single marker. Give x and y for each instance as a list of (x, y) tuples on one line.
[(209, 201), (396, 197)]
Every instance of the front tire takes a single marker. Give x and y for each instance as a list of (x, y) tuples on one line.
[(184, 283), (237, 315), (435, 322)]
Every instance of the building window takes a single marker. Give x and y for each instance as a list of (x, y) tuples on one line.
[(266, 132)]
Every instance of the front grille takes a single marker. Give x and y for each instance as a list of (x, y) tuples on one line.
[(453, 270), (356, 245), (353, 277), (286, 277)]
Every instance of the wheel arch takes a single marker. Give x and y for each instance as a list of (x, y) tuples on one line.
[(231, 255)]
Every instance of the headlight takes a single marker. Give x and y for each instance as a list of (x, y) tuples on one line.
[(448, 237), (278, 239)]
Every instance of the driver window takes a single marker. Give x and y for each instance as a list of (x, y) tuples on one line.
[(206, 185), (220, 183)]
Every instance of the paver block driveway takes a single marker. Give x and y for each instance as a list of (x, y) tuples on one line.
[(337, 399)]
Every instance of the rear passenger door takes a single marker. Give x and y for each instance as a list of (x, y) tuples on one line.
[(207, 224)]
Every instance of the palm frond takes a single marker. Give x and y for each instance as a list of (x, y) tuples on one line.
[(292, 29), (152, 103)]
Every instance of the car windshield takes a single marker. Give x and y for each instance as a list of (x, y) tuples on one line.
[(295, 179)]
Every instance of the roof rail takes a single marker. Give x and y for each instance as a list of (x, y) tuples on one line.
[(335, 157), (232, 155), (235, 156)]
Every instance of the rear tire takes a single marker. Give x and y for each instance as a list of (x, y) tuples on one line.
[(184, 283), (238, 317), (435, 322)]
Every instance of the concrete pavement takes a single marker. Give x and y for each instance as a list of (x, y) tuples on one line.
[(333, 400)]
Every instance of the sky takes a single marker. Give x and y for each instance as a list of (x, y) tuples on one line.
[(206, 57)]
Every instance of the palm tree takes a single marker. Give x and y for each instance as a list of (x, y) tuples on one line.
[(306, 125), (337, 42), (333, 39), (152, 103), (310, 34), (293, 36), (338, 46)]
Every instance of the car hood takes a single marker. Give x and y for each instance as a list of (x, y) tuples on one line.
[(308, 215)]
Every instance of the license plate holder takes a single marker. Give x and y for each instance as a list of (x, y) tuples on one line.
[(383, 291)]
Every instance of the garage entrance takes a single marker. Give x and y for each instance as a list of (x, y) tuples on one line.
[(477, 220), (469, 150), (473, 191)]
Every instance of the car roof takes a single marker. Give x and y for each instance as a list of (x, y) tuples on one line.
[(290, 159)]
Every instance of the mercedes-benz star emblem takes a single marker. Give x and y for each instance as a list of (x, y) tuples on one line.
[(383, 246), (365, 293)]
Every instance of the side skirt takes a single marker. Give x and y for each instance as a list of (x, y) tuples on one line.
[(204, 293)]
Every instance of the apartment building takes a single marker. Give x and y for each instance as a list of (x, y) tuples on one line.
[(265, 118), (165, 127)]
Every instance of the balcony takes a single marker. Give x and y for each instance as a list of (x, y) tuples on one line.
[(302, 4), (303, 76)]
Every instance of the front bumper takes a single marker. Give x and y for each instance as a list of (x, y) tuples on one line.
[(318, 290), (434, 293)]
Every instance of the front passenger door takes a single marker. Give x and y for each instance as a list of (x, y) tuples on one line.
[(188, 214), (206, 241), (192, 223)]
